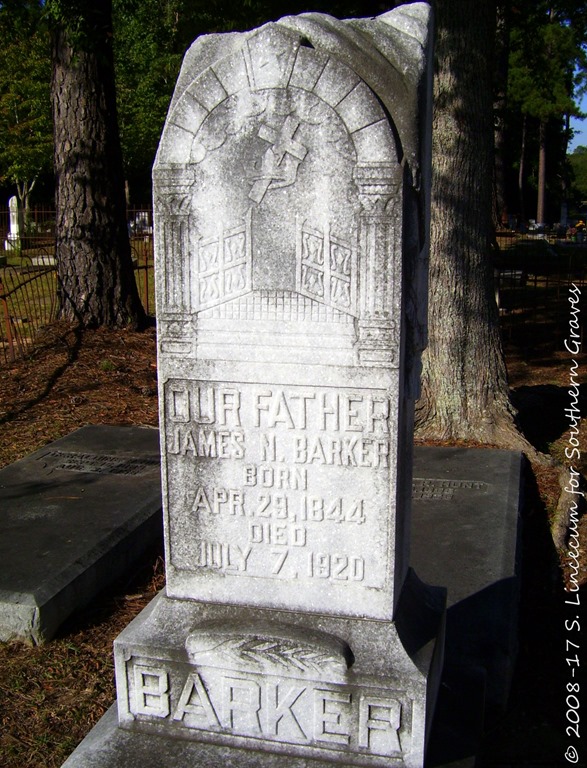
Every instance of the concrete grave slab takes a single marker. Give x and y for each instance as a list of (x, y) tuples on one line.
[(75, 514), (466, 506), (108, 746), (466, 535)]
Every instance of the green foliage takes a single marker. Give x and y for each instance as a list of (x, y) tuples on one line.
[(547, 61), (147, 62), (25, 105), (547, 74), (87, 22), (547, 70), (150, 39)]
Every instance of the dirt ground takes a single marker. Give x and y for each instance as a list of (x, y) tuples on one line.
[(50, 696)]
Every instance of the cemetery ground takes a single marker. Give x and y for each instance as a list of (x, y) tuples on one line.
[(51, 695)]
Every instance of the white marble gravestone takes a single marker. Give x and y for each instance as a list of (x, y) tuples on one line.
[(12, 241), (290, 226)]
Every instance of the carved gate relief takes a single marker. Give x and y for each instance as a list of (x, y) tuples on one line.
[(222, 266), (326, 268), (309, 200)]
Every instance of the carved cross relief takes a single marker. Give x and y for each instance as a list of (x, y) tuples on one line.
[(280, 112)]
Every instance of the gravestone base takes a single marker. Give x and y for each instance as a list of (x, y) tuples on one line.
[(12, 243), (454, 487), (309, 687), (108, 746), (341, 689)]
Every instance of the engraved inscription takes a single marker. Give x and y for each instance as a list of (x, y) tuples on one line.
[(430, 488), (337, 567), (220, 556), (100, 464), (151, 686), (379, 724), (194, 701), (240, 705), (332, 716), (281, 478), (279, 713), (275, 504), (208, 443), (291, 705)]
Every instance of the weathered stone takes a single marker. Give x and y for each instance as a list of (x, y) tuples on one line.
[(290, 233), (281, 257), (281, 681), (75, 515), (12, 242)]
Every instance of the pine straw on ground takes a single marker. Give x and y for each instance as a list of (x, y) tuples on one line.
[(74, 378), (51, 696)]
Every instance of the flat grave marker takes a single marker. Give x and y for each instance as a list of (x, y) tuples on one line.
[(75, 515)]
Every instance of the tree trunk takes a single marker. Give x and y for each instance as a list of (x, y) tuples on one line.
[(502, 49), (96, 279), (521, 171), (541, 173), (464, 385)]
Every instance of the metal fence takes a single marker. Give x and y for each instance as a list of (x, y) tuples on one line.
[(28, 277), (28, 301), (533, 274)]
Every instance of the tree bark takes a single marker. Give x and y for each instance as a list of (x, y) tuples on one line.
[(521, 170), (541, 173), (465, 393), (96, 279), (502, 49)]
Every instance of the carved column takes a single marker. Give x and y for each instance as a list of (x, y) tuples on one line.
[(380, 220), (172, 202)]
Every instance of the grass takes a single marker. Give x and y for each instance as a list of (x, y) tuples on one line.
[(107, 365)]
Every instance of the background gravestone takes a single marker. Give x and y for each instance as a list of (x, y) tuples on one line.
[(76, 515), (12, 241), (290, 193)]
